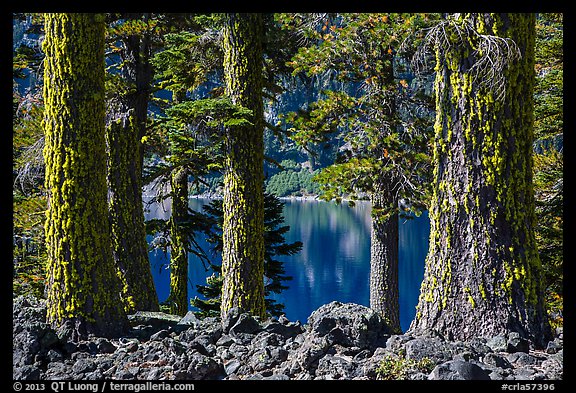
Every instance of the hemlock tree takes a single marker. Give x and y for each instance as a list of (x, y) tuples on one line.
[(82, 287), (127, 115), (549, 158), (243, 199), (189, 141), (483, 276), (384, 121)]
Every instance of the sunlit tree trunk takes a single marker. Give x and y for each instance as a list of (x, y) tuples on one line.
[(483, 275), (243, 227), (82, 287)]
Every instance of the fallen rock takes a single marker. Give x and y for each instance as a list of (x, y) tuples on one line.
[(458, 370), (339, 341)]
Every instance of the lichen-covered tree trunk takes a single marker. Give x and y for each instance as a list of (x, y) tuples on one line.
[(243, 204), (126, 215), (178, 298), (483, 273), (384, 257), (82, 287), (125, 129)]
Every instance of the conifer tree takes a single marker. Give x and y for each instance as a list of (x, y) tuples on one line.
[(189, 141), (483, 275), (382, 121), (243, 203), (549, 157), (126, 125), (82, 286)]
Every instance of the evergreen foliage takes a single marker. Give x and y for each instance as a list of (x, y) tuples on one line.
[(549, 158), (382, 125), (275, 246)]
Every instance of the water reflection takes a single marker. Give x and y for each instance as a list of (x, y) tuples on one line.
[(334, 263)]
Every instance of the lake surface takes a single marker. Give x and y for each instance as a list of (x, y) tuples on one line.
[(334, 263)]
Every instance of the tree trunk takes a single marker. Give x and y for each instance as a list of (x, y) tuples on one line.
[(243, 204), (483, 273), (178, 298), (384, 258), (82, 287), (126, 127)]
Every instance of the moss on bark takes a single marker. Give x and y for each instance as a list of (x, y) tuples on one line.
[(82, 287), (483, 274), (243, 226)]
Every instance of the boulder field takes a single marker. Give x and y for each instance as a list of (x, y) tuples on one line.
[(339, 341)]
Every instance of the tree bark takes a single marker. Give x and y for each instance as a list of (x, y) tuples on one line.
[(483, 273), (243, 204), (178, 298), (384, 257), (125, 129), (82, 287)]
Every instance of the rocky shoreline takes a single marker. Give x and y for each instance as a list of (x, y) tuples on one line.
[(340, 341)]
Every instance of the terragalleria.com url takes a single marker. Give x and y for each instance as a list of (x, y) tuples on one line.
[(120, 387)]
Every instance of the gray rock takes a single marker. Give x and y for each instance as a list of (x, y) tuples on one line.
[(105, 346), (245, 324), (230, 319), (83, 366), (224, 341), (516, 343), (520, 359), (232, 366), (554, 346), (26, 372), (291, 329), (277, 377), (525, 373), (54, 356), (159, 336), (496, 360), (58, 371), (498, 343), (156, 319), (458, 370), (434, 349), (340, 341), (397, 341), (336, 367), (348, 325), (203, 367), (189, 319), (553, 368)]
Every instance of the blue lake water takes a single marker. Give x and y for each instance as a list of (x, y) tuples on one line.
[(334, 263)]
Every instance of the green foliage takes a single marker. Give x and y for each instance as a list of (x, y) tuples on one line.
[(549, 195), (275, 245), (548, 91), (382, 124), (186, 60), (29, 248), (29, 202), (293, 183), (395, 367), (549, 160)]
